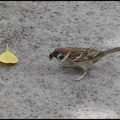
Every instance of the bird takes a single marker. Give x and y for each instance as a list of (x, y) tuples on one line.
[(80, 57)]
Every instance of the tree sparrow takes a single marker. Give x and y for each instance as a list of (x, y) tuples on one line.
[(80, 57)]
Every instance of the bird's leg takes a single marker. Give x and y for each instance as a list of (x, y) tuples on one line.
[(65, 66), (78, 79)]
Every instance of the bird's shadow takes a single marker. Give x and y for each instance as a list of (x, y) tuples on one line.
[(6, 64), (72, 70)]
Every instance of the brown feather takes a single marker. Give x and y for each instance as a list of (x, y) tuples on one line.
[(63, 50), (80, 54)]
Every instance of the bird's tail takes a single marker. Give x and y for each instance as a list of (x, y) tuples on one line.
[(112, 50), (104, 53)]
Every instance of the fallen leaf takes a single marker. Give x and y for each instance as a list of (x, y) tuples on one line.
[(8, 57), (2, 22), (22, 30)]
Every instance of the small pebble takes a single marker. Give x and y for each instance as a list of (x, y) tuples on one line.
[(79, 102), (79, 95), (85, 96), (30, 101)]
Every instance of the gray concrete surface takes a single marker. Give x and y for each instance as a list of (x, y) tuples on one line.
[(39, 88)]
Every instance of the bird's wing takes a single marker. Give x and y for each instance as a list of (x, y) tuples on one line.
[(80, 54)]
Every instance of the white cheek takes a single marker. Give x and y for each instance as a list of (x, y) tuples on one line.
[(65, 57), (59, 56)]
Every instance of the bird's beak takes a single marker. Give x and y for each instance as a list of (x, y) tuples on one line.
[(51, 55)]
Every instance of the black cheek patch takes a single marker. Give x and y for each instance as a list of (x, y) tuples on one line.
[(61, 57)]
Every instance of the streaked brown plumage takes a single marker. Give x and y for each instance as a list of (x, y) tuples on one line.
[(81, 57)]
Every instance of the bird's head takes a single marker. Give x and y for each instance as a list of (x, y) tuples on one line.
[(60, 54)]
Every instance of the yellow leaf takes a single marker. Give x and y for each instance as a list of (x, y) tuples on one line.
[(2, 22), (8, 57)]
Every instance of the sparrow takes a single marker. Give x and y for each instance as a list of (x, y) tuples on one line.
[(80, 57)]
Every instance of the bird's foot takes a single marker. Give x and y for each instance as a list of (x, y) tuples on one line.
[(78, 79), (65, 66)]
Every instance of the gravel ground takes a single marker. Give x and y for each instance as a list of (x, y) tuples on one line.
[(36, 87)]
